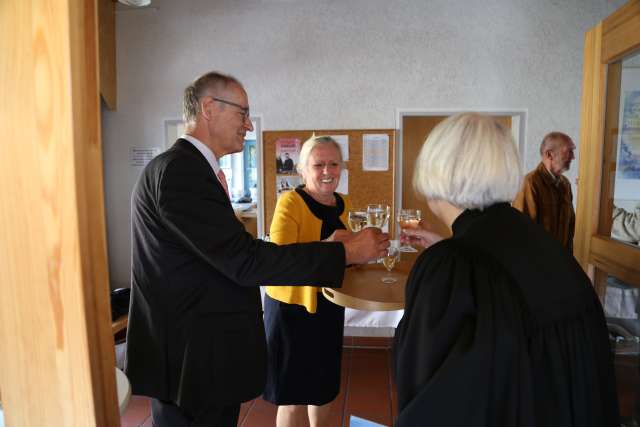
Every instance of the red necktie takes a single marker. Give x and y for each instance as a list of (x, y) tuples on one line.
[(223, 181)]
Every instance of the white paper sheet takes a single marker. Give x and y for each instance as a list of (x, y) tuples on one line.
[(140, 156), (375, 152), (343, 187), (343, 141)]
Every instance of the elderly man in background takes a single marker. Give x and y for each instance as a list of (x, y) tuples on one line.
[(546, 194)]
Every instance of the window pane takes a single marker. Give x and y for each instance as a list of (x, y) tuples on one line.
[(620, 206), (250, 168), (621, 309), (225, 162)]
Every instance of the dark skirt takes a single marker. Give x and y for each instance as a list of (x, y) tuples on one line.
[(304, 352)]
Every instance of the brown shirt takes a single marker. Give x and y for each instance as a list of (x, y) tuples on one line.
[(549, 202)]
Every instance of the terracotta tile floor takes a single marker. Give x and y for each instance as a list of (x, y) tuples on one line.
[(367, 391)]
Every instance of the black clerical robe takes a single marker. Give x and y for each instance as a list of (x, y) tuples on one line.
[(502, 328)]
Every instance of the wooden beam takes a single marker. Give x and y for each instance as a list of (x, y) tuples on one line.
[(591, 136), (107, 52), (57, 363), (621, 260), (120, 324), (621, 32)]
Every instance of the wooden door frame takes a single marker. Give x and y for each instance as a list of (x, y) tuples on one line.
[(608, 41), (57, 364), (401, 113)]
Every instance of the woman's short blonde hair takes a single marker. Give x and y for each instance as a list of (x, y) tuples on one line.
[(470, 161), (308, 147)]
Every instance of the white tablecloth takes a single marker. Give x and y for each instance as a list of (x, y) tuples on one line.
[(372, 319), (366, 319)]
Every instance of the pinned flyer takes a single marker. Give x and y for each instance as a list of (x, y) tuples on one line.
[(343, 142), (140, 156), (375, 152), (287, 153), (286, 183), (343, 186)]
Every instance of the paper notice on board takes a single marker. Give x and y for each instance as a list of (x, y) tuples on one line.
[(286, 183), (343, 142), (287, 153), (343, 187), (141, 156), (375, 152)]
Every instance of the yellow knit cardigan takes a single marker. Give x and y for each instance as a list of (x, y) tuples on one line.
[(293, 222)]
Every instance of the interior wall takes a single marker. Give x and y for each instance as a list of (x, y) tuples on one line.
[(342, 64)]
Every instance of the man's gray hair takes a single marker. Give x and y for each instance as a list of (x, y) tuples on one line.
[(469, 160), (553, 140), (205, 85)]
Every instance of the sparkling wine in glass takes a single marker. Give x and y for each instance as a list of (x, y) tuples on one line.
[(377, 215), (408, 218), (357, 220), (391, 258)]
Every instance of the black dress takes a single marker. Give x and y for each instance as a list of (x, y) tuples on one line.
[(304, 350), (502, 328)]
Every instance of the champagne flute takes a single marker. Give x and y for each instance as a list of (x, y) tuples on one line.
[(377, 215), (391, 258), (357, 220), (408, 218)]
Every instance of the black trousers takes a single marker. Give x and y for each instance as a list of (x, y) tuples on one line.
[(167, 414)]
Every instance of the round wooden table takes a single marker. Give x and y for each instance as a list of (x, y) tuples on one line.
[(363, 289)]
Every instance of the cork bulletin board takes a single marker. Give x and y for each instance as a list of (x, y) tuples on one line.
[(364, 186)]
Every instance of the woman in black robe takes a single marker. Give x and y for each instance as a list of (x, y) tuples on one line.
[(501, 325)]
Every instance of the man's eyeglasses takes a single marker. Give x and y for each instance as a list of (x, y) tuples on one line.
[(245, 110)]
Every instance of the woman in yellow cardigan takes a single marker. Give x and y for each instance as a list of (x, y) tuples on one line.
[(304, 330)]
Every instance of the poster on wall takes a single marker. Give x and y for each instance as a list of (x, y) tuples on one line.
[(375, 152), (286, 183), (287, 154), (343, 142), (629, 147)]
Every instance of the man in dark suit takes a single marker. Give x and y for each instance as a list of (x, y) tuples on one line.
[(195, 341)]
